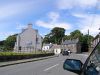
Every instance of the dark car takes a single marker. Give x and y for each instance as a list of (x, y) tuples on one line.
[(65, 53), (90, 67)]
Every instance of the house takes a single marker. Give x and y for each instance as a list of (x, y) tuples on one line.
[(72, 45), (47, 47), (52, 48), (28, 40)]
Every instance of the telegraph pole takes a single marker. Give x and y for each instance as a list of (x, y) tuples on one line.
[(88, 41)]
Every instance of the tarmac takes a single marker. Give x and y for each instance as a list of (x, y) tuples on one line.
[(3, 64)]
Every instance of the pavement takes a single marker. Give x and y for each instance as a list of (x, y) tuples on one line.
[(51, 66)]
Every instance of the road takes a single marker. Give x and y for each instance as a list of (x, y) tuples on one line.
[(51, 66)]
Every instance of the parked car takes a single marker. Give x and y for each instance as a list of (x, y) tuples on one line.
[(69, 52), (90, 67), (65, 53)]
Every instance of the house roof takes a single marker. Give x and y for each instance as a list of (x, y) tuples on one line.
[(50, 45), (75, 41), (56, 46), (28, 27), (53, 46)]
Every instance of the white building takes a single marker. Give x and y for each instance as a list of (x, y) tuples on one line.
[(52, 48), (47, 47), (28, 40)]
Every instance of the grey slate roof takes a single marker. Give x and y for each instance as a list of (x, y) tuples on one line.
[(56, 46), (66, 42), (50, 45)]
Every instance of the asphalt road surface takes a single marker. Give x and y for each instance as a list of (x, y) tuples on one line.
[(51, 66)]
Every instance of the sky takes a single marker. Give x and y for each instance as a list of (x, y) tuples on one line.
[(47, 14)]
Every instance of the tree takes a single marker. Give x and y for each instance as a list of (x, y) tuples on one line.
[(46, 39), (86, 42), (76, 34), (10, 42), (66, 37), (55, 36), (1, 43)]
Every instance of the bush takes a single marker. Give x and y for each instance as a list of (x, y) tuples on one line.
[(10, 56)]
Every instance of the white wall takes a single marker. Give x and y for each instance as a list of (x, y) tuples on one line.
[(45, 48), (57, 51)]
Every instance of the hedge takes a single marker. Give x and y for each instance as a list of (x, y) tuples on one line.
[(12, 57)]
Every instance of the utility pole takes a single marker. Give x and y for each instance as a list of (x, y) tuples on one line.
[(62, 44), (88, 41)]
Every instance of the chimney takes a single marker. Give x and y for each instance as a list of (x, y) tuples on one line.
[(30, 25)]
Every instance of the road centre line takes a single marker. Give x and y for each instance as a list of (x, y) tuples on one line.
[(50, 67)]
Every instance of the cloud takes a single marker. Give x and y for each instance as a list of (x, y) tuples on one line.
[(51, 25), (64, 4), (84, 13), (15, 8), (93, 26), (9, 10), (93, 30), (79, 15), (54, 22), (88, 21), (54, 16), (69, 4)]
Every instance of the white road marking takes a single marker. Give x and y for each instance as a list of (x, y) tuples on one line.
[(50, 67)]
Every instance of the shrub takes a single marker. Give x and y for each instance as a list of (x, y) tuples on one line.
[(10, 56)]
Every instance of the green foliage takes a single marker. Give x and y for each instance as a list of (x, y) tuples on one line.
[(11, 56), (2, 43), (55, 36), (13, 53), (46, 39), (66, 37), (76, 34), (87, 39), (86, 42), (8, 44)]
